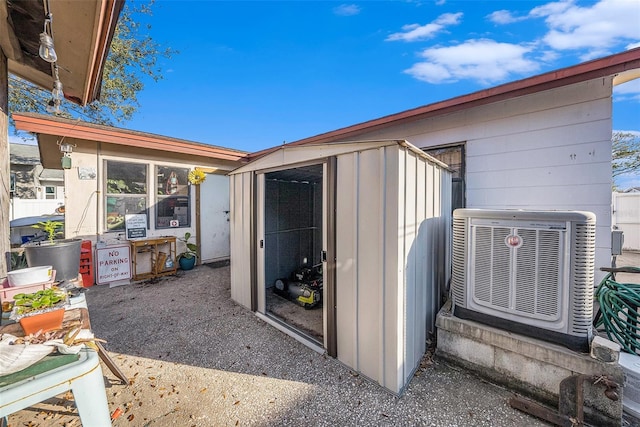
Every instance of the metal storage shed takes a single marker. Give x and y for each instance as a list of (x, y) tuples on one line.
[(358, 233)]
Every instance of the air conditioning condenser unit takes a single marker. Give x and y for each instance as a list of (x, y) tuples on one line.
[(528, 272)]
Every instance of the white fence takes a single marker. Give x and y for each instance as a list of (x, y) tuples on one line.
[(21, 208), (626, 217)]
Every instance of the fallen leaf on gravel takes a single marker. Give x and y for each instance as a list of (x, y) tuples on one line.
[(130, 417), (236, 402), (384, 415), (203, 390), (152, 378)]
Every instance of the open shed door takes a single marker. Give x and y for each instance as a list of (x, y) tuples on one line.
[(291, 229)]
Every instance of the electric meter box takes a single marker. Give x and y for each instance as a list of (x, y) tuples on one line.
[(617, 241)]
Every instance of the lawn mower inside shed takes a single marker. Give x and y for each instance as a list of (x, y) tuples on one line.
[(304, 286)]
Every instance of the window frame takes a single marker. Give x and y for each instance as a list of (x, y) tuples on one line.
[(457, 182), (118, 218), (162, 185)]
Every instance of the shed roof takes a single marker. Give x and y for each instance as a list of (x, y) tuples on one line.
[(60, 127), (286, 155), (624, 66)]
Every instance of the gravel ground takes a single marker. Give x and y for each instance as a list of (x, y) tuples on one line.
[(195, 358)]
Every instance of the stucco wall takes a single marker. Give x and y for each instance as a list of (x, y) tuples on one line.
[(85, 196)]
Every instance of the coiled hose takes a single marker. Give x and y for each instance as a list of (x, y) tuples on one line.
[(619, 313)]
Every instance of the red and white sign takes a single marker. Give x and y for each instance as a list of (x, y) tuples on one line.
[(113, 263)]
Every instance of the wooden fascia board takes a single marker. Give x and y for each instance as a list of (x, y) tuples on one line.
[(108, 20), (42, 126)]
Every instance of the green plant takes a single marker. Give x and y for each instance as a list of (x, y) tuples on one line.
[(191, 249), (40, 300), (18, 261), (50, 227)]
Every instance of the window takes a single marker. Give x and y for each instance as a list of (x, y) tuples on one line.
[(454, 157), (172, 197), (126, 192), (12, 183), (49, 192)]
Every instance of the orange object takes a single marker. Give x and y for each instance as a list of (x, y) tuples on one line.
[(45, 322), (86, 264), (116, 414)]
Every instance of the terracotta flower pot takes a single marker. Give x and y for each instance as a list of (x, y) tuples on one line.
[(45, 322)]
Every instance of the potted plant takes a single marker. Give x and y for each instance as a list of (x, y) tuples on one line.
[(51, 228), (62, 254), (40, 311), (187, 258)]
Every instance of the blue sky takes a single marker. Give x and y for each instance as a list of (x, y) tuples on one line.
[(251, 75)]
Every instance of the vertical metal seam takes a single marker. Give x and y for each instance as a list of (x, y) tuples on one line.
[(382, 260), (332, 330), (356, 227), (252, 246)]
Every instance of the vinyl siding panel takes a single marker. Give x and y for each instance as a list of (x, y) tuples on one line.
[(549, 150)]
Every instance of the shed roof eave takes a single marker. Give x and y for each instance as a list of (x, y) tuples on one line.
[(323, 150)]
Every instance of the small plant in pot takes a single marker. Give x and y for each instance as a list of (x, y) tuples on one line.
[(51, 228), (41, 310), (62, 254), (187, 258)]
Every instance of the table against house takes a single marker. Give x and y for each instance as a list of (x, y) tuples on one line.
[(63, 364), (153, 257)]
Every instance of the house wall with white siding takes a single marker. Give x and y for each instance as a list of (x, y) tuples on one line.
[(550, 150)]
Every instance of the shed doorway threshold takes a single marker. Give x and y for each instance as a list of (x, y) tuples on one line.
[(292, 332)]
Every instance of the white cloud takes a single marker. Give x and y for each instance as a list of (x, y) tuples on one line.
[(24, 138), (347, 10), (485, 61), (596, 28), (632, 45), (627, 91), (415, 32), (504, 17)]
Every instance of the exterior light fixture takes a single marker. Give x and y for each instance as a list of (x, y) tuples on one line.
[(66, 147), (57, 92), (46, 50), (53, 106)]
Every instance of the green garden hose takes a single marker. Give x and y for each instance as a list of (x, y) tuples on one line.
[(618, 314)]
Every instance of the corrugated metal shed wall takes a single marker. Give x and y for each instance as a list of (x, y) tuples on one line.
[(392, 229), (393, 213), (241, 194)]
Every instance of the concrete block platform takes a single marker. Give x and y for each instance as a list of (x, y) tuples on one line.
[(530, 367)]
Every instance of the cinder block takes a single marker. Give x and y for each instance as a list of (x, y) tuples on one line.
[(530, 371), (465, 349), (605, 350)]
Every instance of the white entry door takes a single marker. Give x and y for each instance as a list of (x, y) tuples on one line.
[(214, 218)]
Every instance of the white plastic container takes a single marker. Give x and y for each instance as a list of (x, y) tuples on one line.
[(30, 276), (630, 364)]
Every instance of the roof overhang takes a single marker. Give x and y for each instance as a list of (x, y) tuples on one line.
[(287, 155), (82, 33), (622, 67), (51, 129)]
